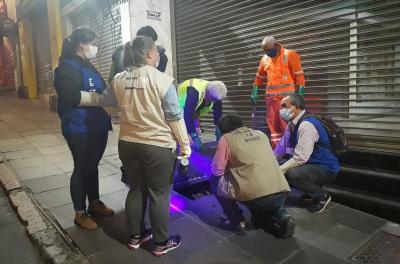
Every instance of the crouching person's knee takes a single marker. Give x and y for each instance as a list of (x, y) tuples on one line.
[(292, 175)]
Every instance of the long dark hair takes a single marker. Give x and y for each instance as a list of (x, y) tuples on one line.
[(71, 43)]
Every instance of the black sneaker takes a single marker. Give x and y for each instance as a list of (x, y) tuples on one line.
[(136, 241), (238, 229), (172, 243), (319, 205)]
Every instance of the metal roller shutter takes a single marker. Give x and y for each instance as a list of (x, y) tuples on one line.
[(41, 42), (9, 60), (350, 54), (105, 20)]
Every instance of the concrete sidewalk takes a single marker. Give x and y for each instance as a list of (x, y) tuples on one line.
[(31, 141)]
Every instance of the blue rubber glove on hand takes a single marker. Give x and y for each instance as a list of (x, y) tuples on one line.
[(197, 142), (218, 134)]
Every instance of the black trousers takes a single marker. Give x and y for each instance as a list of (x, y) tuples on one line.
[(265, 210), (87, 151), (150, 177), (310, 178)]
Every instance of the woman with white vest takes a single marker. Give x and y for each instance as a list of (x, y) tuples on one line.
[(151, 125), (245, 170)]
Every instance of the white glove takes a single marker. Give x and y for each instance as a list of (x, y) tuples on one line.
[(90, 99), (179, 130), (288, 164)]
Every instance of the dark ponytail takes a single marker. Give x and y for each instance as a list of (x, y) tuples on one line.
[(71, 43), (136, 50), (128, 59)]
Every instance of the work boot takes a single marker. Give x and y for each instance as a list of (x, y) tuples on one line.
[(99, 209), (84, 221)]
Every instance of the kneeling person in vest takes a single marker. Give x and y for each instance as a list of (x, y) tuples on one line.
[(306, 143), (254, 179), (197, 97)]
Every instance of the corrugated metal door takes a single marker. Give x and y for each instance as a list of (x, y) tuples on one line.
[(9, 60), (350, 53), (105, 20), (41, 42)]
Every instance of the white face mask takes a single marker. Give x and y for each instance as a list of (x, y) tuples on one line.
[(91, 52), (286, 113)]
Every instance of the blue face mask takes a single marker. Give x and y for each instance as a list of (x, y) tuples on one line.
[(272, 53), (286, 114)]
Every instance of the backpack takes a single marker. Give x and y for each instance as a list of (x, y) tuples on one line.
[(336, 134)]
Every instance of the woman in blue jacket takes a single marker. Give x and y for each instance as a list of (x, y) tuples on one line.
[(84, 125)]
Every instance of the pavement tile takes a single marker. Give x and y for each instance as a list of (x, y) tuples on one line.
[(221, 252), (66, 165), (91, 241), (38, 172), (21, 154), (110, 184), (48, 183), (355, 219), (64, 215), (105, 170), (54, 198), (47, 143), (54, 149), (116, 200), (195, 237), (30, 162), (15, 147), (58, 157), (311, 255), (266, 247), (340, 241), (121, 254), (40, 137)]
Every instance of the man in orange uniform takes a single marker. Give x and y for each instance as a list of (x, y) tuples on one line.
[(281, 68)]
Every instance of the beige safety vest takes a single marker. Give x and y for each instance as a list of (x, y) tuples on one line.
[(254, 170), (139, 93)]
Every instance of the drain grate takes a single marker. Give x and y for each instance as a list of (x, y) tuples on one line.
[(383, 248)]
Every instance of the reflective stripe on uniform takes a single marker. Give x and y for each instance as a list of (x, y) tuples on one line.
[(285, 56), (298, 72)]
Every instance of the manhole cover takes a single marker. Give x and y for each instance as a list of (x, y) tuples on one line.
[(383, 248)]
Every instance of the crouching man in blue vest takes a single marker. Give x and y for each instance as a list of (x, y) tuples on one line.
[(306, 144)]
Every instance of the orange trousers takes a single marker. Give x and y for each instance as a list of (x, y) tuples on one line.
[(275, 123)]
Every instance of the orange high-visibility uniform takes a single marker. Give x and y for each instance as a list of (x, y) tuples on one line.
[(283, 74)]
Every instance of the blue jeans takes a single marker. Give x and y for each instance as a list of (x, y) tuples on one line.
[(87, 151), (265, 210)]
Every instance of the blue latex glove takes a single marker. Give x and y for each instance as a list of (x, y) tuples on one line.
[(197, 142), (218, 134)]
